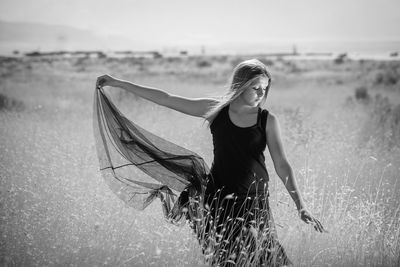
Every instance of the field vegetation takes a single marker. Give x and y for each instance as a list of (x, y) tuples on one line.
[(340, 122)]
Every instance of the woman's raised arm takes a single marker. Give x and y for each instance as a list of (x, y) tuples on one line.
[(197, 107)]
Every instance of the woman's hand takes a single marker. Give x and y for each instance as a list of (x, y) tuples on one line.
[(309, 219), (106, 80)]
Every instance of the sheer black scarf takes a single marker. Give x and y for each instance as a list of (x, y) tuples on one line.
[(171, 170)]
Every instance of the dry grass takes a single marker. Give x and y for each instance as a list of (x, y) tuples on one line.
[(57, 210)]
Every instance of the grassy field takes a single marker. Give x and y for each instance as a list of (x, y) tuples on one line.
[(340, 122)]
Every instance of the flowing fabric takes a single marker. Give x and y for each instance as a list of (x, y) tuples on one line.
[(169, 172)]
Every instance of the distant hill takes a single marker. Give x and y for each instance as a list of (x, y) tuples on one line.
[(27, 37)]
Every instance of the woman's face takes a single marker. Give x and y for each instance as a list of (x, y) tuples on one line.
[(256, 91)]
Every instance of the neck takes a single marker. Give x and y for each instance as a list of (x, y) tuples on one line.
[(239, 106)]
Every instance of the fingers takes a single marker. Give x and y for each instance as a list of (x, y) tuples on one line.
[(98, 83), (101, 81), (309, 219), (318, 226)]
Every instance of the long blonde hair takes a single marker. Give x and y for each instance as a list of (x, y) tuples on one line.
[(243, 75)]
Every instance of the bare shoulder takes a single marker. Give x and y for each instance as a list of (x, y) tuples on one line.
[(272, 122), (274, 141)]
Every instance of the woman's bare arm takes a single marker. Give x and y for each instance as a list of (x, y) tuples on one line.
[(281, 164), (284, 170), (197, 107)]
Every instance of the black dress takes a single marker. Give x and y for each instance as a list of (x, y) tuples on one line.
[(240, 224)]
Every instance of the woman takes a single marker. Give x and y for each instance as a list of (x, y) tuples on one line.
[(239, 227)]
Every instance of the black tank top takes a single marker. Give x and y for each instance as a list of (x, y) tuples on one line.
[(239, 162)]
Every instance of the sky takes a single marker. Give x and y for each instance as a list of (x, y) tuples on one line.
[(180, 22)]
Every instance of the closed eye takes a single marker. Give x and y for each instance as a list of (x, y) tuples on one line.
[(258, 89)]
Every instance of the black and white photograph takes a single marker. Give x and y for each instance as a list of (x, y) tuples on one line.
[(200, 133)]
